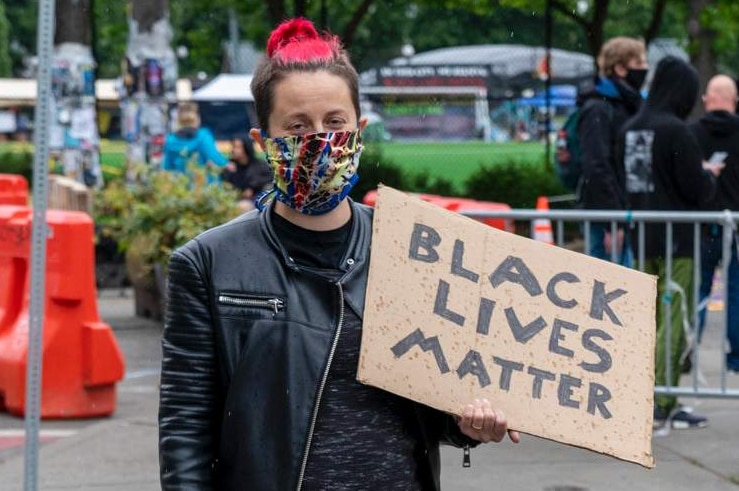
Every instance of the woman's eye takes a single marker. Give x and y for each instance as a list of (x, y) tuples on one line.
[(297, 128), (336, 123)]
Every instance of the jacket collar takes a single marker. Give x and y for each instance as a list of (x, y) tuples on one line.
[(355, 261)]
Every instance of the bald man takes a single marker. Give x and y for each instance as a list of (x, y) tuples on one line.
[(718, 135)]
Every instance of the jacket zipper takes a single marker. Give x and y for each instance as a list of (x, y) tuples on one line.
[(275, 304), (314, 417), (466, 456)]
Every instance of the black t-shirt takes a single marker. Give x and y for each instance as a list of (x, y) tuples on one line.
[(364, 437), (310, 248)]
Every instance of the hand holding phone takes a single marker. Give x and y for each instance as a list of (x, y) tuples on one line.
[(714, 168), (718, 157)]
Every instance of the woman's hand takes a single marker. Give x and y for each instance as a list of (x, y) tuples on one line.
[(481, 422)]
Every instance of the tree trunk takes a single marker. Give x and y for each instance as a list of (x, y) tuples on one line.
[(593, 28), (351, 27), (150, 79), (73, 22), (275, 11), (148, 12), (658, 12), (701, 39), (595, 31), (75, 124)]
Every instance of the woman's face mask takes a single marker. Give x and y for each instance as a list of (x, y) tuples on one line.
[(314, 172)]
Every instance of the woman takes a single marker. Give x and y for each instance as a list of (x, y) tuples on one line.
[(247, 173), (264, 320)]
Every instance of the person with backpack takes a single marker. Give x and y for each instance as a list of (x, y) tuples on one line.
[(192, 144), (623, 68)]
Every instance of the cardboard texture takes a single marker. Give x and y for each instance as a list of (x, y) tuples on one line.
[(561, 342)]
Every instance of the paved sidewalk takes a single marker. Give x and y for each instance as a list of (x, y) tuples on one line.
[(120, 453)]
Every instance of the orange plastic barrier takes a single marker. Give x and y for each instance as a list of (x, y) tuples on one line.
[(499, 223), (81, 358), (459, 205), (13, 190)]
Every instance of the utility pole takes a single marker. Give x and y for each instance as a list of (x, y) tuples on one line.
[(149, 85), (74, 135)]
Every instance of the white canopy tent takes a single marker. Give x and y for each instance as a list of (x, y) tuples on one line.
[(21, 91), (225, 87)]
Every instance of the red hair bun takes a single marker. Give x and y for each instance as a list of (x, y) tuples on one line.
[(297, 40)]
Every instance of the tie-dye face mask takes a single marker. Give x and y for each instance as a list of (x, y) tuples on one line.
[(314, 172)]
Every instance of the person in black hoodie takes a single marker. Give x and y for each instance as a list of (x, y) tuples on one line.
[(718, 134), (622, 65), (663, 167), (246, 172)]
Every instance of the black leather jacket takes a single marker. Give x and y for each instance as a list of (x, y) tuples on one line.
[(246, 346)]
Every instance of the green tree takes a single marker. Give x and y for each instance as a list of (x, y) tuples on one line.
[(713, 31), (109, 36), (724, 19), (352, 16), (22, 16), (5, 61), (635, 18), (202, 27)]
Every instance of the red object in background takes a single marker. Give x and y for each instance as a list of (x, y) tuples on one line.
[(13, 190), (370, 198), (81, 358), (499, 223), (156, 149), (459, 205)]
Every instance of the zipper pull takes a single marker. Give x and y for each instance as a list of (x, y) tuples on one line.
[(466, 457), (276, 304)]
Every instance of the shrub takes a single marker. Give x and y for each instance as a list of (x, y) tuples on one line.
[(517, 184), (424, 182), (18, 162), (150, 219)]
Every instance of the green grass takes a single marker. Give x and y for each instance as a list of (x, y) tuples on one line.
[(456, 161), (451, 161)]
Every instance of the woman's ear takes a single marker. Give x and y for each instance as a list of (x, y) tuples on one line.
[(256, 135), (362, 122)]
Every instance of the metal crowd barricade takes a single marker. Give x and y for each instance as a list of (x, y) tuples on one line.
[(729, 221)]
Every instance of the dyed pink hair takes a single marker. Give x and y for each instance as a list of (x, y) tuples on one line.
[(296, 46), (298, 41)]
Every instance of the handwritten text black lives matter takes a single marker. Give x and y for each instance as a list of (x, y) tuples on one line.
[(424, 242)]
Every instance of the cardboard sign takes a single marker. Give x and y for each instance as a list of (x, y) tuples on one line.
[(561, 342)]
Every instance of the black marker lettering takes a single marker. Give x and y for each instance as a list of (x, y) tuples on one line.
[(599, 305), (513, 269), (472, 364), (416, 338), (440, 305), (457, 259), (426, 238)]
